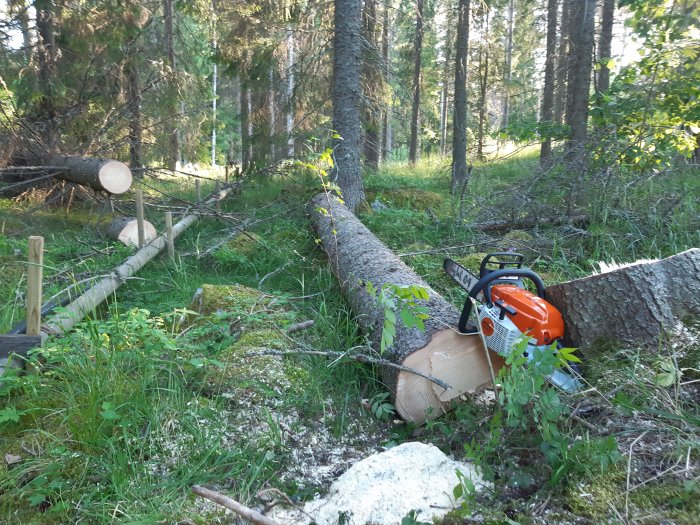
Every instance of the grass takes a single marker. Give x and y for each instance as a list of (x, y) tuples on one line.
[(139, 403)]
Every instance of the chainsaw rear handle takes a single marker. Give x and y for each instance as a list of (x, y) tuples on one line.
[(484, 284), (513, 259)]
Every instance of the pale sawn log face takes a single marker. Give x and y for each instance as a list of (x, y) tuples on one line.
[(107, 175), (636, 304), (125, 230), (358, 257)]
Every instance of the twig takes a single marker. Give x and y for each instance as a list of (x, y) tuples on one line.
[(629, 473), (301, 326), (445, 249), (362, 358), (249, 514), (273, 273)]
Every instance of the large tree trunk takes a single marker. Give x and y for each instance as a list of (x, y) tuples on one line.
[(415, 107), (174, 138), (460, 172), (107, 175), (484, 50), (446, 68), (386, 49), (246, 153), (605, 45), (547, 113), (135, 127), (636, 304), (47, 53), (358, 257), (372, 80), (582, 31), (346, 100), (562, 69), (508, 66)]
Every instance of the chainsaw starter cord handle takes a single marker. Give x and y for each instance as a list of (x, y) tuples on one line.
[(484, 284)]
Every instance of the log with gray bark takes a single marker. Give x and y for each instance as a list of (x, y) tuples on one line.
[(639, 304), (358, 257), (125, 230), (107, 175)]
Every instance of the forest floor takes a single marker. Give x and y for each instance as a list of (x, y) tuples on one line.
[(165, 388)]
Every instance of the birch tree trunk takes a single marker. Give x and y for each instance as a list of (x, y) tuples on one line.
[(289, 118)]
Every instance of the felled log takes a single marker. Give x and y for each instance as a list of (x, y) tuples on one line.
[(639, 304), (125, 230), (105, 287), (358, 257), (107, 175), (525, 223)]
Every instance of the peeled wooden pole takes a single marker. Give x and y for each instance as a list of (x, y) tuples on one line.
[(140, 228), (170, 240), (34, 284), (107, 175), (358, 257), (87, 302)]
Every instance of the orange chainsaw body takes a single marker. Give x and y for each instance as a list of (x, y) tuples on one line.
[(535, 316)]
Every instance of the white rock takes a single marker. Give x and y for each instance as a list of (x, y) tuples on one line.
[(383, 488)]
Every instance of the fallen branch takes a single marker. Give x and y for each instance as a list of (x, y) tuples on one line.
[(301, 326), (249, 514), (360, 358), (529, 222)]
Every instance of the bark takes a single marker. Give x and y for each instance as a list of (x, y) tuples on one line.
[(582, 31), (16, 344), (125, 230), (86, 303), (289, 118), (372, 80), (386, 49), (107, 175), (357, 257), (445, 92), (174, 138), (547, 112), (605, 45), (415, 108), (562, 68), (134, 103), (47, 53), (508, 66), (346, 98), (246, 154), (640, 304), (460, 171)]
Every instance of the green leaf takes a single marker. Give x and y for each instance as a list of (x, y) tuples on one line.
[(665, 379), (10, 414), (37, 499)]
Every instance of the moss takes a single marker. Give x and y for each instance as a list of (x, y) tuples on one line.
[(211, 298), (519, 236), (245, 243)]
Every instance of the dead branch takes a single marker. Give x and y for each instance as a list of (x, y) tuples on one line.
[(249, 514), (301, 326)]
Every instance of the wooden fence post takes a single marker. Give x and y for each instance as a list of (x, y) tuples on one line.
[(169, 234), (140, 218), (198, 189), (34, 284)]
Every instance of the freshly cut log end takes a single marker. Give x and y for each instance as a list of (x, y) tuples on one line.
[(126, 231), (115, 177), (459, 360), (639, 303), (357, 257), (107, 175)]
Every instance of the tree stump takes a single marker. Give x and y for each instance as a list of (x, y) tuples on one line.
[(358, 257), (637, 304)]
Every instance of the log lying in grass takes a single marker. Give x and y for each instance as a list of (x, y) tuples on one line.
[(125, 230), (635, 304), (87, 302), (107, 175), (525, 223), (358, 257)]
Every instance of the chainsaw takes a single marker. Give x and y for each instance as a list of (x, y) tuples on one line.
[(509, 311)]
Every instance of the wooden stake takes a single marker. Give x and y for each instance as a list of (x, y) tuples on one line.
[(169, 234), (34, 282), (140, 218), (198, 189)]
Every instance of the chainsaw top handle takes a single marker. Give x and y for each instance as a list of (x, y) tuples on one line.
[(484, 284), (503, 260)]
